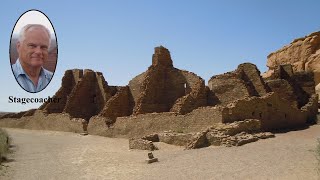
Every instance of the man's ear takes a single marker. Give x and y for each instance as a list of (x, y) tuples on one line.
[(18, 45)]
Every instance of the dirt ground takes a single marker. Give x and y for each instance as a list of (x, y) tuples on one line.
[(62, 155)]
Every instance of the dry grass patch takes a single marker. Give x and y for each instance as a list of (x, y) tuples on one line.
[(4, 144)]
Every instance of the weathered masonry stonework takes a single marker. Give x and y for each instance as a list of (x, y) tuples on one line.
[(167, 99), (245, 81), (302, 53), (162, 88)]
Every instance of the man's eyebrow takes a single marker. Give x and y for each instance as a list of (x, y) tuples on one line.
[(31, 44)]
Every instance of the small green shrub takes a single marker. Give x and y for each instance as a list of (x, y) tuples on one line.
[(179, 131), (318, 154), (4, 144)]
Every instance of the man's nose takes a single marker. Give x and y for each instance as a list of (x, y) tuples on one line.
[(38, 50)]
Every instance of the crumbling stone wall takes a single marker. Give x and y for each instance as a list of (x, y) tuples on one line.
[(311, 108), (302, 84), (121, 104), (145, 124), (165, 98), (195, 94), (135, 86), (302, 53), (227, 88), (87, 98), (273, 111), (69, 80), (153, 97), (305, 80), (285, 90), (254, 82), (83, 94), (157, 91), (178, 97), (164, 88), (245, 81)]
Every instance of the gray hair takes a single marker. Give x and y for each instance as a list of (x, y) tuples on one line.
[(29, 26)]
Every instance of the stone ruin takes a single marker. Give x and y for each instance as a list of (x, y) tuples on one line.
[(303, 54), (162, 88), (176, 104)]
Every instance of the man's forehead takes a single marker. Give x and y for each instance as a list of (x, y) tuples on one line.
[(36, 35), (36, 29)]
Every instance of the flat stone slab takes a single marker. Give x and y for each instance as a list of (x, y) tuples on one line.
[(151, 160), (84, 133)]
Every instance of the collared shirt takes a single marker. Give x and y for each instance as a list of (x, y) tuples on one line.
[(25, 81)]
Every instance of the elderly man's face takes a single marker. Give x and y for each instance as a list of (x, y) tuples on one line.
[(33, 50)]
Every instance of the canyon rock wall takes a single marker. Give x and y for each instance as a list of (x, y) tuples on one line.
[(302, 53)]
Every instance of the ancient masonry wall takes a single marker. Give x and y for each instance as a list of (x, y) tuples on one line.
[(273, 111), (285, 90), (153, 90), (164, 88), (196, 95), (166, 98), (121, 104), (245, 81), (226, 88), (144, 124), (87, 97), (83, 94), (254, 82), (135, 86), (69, 80), (298, 86)]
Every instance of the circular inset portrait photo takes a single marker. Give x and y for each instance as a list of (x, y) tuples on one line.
[(33, 51)]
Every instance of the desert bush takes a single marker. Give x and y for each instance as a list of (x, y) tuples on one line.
[(318, 154), (4, 144)]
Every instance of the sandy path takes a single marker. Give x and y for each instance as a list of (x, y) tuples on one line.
[(62, 155)]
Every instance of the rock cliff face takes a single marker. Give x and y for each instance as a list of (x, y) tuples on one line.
[(303, 54)]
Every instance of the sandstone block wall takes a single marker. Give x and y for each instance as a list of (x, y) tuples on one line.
[(166, 98), (135, 85), (227, 88), (195, 94), (245, 81), (43, 121), (251, 75), (155, 96), (83, 94), (161, 57), (121, 104), (302, 84), (311, 108), (273, 111), (69, 80), (285, 90), (87, 98), (145, 124), (164, 88)]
